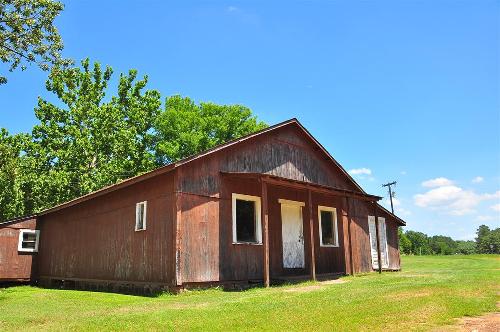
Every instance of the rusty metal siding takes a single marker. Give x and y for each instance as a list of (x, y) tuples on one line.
[(14, 265), (96, 239)]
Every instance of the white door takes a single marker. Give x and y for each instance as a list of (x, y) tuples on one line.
[(383, 242), (293, 235)]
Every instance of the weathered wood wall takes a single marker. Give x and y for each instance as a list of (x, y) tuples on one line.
[(285, 152), (206, 247), (96, 239), (14, 265), (189, 221), (359, 212)]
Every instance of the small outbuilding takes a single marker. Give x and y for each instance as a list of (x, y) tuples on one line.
[(270, 206)]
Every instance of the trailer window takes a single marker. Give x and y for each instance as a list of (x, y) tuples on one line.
[(140, 216), (246, 219), (28, 240), (328, 226)]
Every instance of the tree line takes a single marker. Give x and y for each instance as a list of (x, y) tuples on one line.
[(90, 136), (418, 243)]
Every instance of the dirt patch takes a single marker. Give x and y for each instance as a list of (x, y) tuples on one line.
[(414, 275), (314, 287), (485, 323), (161, 305), (409, 295), (334, 281)]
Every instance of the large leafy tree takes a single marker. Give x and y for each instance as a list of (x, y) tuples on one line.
[(419, 243), (85, 140), (488, 240), (89, 137), (185, 128), (11, 195), (28, 34), (443, 245), (404, 242), (466, 247)]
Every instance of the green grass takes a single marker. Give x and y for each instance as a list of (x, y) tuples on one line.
[(429, 292)]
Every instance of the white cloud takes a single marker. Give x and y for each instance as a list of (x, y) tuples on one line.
[(403, 172), (495, 207), (452, 199), (232, 9), (484, 218), (360, 171), (437, 182), (478, 179)]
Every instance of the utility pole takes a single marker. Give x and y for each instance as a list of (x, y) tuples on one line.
[(391, 193)]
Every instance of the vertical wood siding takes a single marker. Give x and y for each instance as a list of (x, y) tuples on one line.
[(15, 265), (96, 239)]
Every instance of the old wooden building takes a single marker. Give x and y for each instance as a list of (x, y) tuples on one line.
[(269, 206)]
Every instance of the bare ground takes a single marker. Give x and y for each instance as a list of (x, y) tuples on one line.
[(486, 323), (310, 288)]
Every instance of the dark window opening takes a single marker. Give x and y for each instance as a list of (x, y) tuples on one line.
[(245, 221), (328, 228)]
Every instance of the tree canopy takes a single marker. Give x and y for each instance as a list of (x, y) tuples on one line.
[(28, 34), (185, 128), (92, 135), (418, 243)]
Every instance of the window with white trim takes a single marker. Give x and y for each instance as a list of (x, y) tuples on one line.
[(140, 216), (328, 232), (246, 219), (28, 240)]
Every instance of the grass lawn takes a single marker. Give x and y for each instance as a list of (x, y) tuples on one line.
[(429, 292)]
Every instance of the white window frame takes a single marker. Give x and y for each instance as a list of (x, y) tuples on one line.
[(258, 226), (137, 209), (334, 211), (21, 235)]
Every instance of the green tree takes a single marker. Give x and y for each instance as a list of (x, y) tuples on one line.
[(442, 245), (419, 243), (185, 128), (28, 34), (404, 242), (466, 247), (11, 196), (488, 241), (86, 141), (482, 240)]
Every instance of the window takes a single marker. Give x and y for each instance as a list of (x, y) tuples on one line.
[(140, 216), (328, 226), (246, 219), (28, 240)]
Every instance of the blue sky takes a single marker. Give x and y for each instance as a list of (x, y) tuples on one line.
[(399, 90)]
